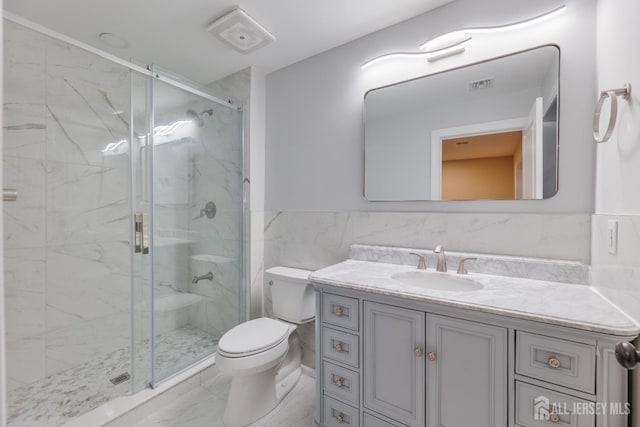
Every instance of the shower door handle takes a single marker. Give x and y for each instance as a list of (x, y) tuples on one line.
[(9, 195), (140, 234)]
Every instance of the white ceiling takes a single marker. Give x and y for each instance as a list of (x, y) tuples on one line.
[(171, 33)]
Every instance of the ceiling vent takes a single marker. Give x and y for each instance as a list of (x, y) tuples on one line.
[(240, 31), (481, 84)]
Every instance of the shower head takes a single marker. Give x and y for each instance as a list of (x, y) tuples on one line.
[(195, 118)]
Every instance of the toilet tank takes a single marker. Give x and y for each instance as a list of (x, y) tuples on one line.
[(292, 294)]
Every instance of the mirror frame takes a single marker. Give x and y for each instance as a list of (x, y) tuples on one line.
[(364, 110)]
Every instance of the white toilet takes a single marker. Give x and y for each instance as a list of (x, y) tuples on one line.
[(263, 356)]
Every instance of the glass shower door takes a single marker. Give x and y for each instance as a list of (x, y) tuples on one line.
[(196, 221)]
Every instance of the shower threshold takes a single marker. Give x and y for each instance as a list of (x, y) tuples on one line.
[(62, 397)]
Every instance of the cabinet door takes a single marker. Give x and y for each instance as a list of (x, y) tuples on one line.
[(467, 373), (394, 362)]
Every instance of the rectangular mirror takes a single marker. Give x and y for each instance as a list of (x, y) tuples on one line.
[(484, 131)]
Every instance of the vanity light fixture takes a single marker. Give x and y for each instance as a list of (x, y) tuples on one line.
[(453, 43), (450, 39), (430, 55)]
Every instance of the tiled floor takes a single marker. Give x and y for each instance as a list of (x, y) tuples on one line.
[(203, 406), (56, 399)]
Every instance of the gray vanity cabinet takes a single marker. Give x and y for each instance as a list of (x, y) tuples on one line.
[(393, 357), (466, 372), (421, 376)]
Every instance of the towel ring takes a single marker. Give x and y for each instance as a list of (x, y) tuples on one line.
[(612, 94)]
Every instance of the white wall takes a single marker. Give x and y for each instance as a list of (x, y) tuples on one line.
[(618, 168), (314, 107)]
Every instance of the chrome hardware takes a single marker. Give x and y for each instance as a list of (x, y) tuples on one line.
[(422, 261), (340, 418), (141, 245), (338, 346), (431, 356), (209, 210), (338, 311), (339, 382), (554, 362), (442, 259), (9, 195), (613, 95), (627, 355), (208, 276), (419, 351), (554, 417), (461, 267)]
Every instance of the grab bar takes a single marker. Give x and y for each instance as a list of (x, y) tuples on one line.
[(9, 195)]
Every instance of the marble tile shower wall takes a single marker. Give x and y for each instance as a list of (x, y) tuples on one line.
[(313, 240), (216, 173), (66, 239)]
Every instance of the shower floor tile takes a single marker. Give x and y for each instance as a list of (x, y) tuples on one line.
[(204, 407), (57, 399)]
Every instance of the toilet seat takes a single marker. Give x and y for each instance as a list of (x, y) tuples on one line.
[(252, 337)]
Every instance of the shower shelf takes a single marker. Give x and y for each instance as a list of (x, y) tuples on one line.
[(216, 259), (171, 302)]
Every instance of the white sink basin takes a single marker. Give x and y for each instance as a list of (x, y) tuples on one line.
[(437, 281)]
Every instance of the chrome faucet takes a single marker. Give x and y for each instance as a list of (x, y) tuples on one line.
[(442, 259), (208, 276), (422, 261)]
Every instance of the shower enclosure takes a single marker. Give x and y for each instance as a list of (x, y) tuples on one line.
[(124, 249)]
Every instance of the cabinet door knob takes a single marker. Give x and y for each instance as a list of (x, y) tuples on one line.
[(419, 351), (339, 382), (431, 356), (338, 346), (340, 418), (554, 362), (339, 311), (554, 417)]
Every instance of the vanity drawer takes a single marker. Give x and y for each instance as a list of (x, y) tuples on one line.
[(338, 414), (564, 363), (538, 407), (340, 311), (341, 382), (340, 346)]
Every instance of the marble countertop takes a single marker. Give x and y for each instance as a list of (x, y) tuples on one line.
[(574, 306)]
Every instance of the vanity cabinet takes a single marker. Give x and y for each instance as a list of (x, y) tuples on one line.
[(388, 362)]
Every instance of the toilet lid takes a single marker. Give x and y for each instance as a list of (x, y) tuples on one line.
[(253, 336)]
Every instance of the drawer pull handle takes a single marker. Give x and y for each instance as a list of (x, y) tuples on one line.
[(419, 351), (339, 311), (431, 356), (340, 418), (554, 362), (339, 382), (339, 346), (554, 417)]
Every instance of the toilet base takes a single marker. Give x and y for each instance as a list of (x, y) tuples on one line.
[(254, 396)]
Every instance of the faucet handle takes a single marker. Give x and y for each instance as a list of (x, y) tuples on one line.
[(422, 261), (461, 268)]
